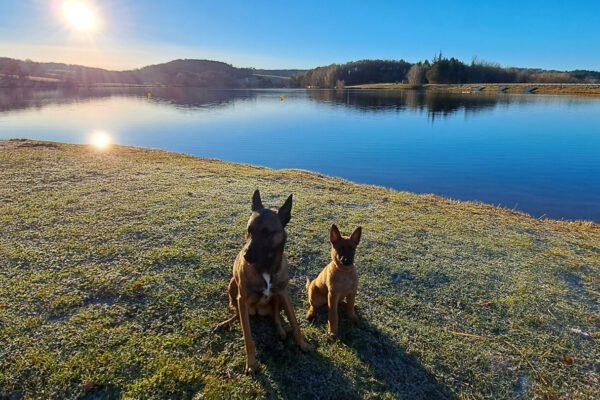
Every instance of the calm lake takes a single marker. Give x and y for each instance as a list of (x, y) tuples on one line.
[(535, 153)]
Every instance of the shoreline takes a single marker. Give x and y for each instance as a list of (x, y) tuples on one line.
[(579, 89), (574, 89), (5, 144)]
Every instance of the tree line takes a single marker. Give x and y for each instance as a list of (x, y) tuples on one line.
[(440, 70), (353, 73)]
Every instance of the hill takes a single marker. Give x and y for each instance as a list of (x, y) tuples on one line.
[(29, 73), (114, 268), (201, 73), (198, 73)]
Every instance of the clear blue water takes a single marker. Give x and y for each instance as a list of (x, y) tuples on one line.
[(538, 154)]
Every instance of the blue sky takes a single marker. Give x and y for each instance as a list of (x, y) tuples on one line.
[(292, 34)]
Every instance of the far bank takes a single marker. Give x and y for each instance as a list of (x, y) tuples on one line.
[(513, 88)]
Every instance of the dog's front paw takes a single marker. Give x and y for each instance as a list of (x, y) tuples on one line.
[(305, 346), (282, 333), (251, 367), (332, 335)]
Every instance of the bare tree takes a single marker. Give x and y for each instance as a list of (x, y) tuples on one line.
[(416, 74), (13, 69)]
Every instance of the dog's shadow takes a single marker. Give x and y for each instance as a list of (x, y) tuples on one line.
[(286, 372), (400, 373)]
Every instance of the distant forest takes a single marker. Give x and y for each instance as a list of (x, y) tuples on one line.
[(214, 74), (440, 70)]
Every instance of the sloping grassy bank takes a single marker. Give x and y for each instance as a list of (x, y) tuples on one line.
[(114, 267)]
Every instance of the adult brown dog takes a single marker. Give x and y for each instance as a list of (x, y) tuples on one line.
[(337, 281), (259, 285)]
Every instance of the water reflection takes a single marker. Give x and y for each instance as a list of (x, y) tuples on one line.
[(100, 139), (435, 104), (22, 99)]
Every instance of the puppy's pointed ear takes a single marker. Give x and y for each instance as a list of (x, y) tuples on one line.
[(355, 237), (285, 212), (256, 201), (334, 234)]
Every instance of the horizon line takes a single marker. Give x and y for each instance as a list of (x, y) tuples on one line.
[(286, 68)]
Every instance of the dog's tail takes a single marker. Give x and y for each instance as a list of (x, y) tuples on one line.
[(307, 282)]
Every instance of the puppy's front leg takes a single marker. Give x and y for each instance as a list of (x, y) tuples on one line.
[(350, 307), (251, 365), (332, 304), (291, 315)]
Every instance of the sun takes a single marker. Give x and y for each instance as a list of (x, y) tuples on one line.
[(80, 15)]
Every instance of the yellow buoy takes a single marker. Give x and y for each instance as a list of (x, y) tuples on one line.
[(281, 98)]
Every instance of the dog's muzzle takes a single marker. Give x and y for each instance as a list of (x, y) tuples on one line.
[(346, 260)]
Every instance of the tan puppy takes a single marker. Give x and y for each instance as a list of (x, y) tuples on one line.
[(337, 281), (259, 285)]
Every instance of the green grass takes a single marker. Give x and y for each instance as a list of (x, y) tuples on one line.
[(114, 267)]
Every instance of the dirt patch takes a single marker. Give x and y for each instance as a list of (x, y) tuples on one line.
[(578, 292), (16, 144)]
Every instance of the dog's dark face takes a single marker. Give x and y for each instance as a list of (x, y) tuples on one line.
[(266, 236), (343, 249)]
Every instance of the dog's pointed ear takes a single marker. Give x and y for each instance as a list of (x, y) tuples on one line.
[(355, 237), (256, 201), (334, 234), (285, 212)]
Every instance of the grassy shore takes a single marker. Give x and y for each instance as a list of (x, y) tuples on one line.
[(114, 267), (538, 88)]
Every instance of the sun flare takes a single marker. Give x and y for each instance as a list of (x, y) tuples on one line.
[(100, 139), (80, 15)]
